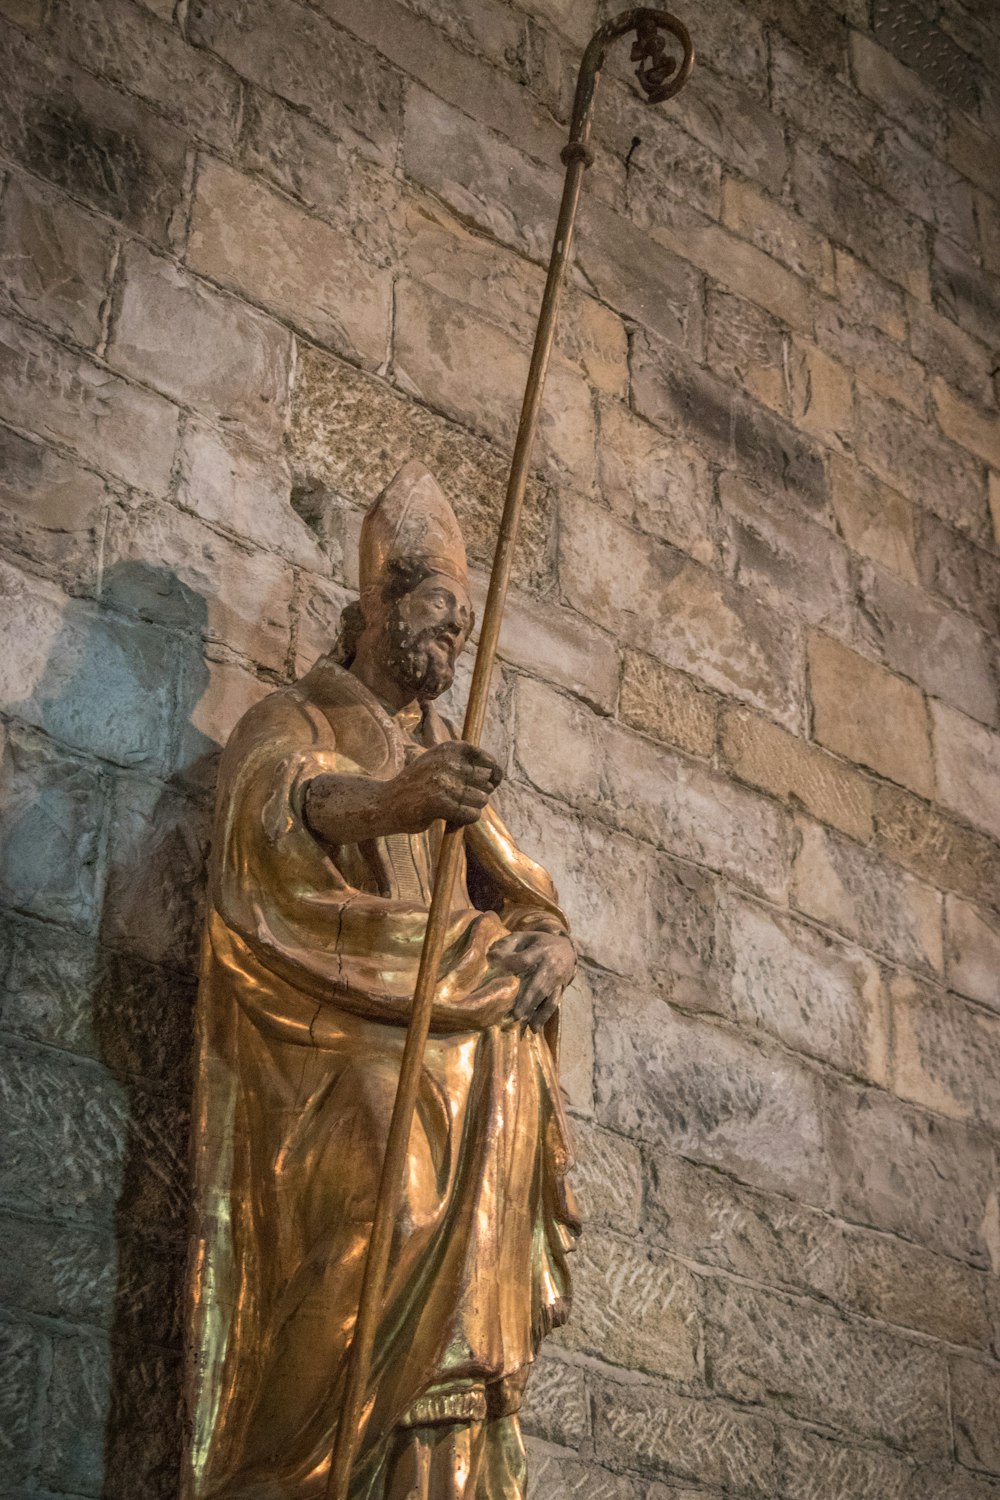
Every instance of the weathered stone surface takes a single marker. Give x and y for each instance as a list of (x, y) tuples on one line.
[(94, 681), (935, 1482), (201, 583), (968, 762), (895, 1282), (873, 519), (22, 1350), (50, 511), (878, 361), (66, 398), (821, 394), (973, 428), (820, 105), (972, 951), (736, 127), (816, 995), (868, 299), (813, 1467), (54, 260), (820, 1367), (867, 898), (927, 1179), (654, 484), (606, 1178), (350, 434), (652, 1428), (300, 268), (935, 847), (97, 143), (963, 292), (449, 356), (895, 88), (794, 770), (199, 346), (709, 1094), (554, 1477), (645, 282), (742, 269), (946, 1054), (965, 574), (562, 649), (576, 1044), (748, 347), (112, 38), (783, 558), (556, 1405), (677, 611), (940, 649), (635, 1307), (942, 346), (725, 425), (975, 1395), (868, 715), (777, 230), (666, 705), (701, 1214), (298, 56)]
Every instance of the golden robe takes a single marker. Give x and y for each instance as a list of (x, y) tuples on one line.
[(309, 965)]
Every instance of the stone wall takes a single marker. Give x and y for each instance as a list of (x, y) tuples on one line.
[(255, 254)]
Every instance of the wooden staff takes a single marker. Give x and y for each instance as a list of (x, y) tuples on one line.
[(660, 78)]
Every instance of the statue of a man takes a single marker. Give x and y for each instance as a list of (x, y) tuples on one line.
[(332, 799)]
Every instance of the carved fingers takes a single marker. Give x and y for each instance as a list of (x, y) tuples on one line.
[(545, 963), (452, 781)]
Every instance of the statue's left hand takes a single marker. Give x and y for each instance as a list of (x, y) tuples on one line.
[(546, 962)]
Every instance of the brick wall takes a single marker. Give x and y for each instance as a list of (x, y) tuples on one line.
[(255, 254)]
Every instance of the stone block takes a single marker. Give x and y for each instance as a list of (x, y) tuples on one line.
[(937, 1482), (963, 573), (709, 1094), (869, 715), (924, 185), (946, 1054), (634, 1307), (50, 511), (938, 648), (971, 151), (776, 230), (831, 195), (53, 810), (968, 764), (816, 995), (555, 1477), (965, 293), (576, 1045), (156, 874), (759, 752), (726, 426), (700, 1214), (742, 269), (300, 268), (641, 279), (972, 951), (654, 483), (747, 347), (562, 648), (898, 1169), (656, 599), (350, 434), (875, 359), (669, 164), (948, 351), (873, 519), (136, 52), (666, 705), (448, 356), (935, 847), (895, 1282), (67, 399), (822, 398), (299, 57), (821, 106), (587, 863), (896, 89), (974, 429), (845, 1374), (975, 1396), (742, 131), (199, 346), (54, 260), (23, 1351), (934, 473), (866, 898), (94, 681), (318, 607), (782, 557), (556, 1405), (814, 1467), (654, 1429), (606, 1178), (868, 299), (98, 144), (201, 582)]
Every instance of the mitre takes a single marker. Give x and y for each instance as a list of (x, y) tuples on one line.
[(411, 519)]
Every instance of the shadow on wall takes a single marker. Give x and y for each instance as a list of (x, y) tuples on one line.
[(103, 860)]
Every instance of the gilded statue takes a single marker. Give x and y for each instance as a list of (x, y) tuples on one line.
[(333, 797)]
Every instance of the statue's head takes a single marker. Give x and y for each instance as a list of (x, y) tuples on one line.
[(414, 615)]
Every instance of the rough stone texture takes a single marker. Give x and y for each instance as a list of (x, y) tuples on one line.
[(256, 254)]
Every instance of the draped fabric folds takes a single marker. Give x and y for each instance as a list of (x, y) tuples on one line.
[(309, 965)]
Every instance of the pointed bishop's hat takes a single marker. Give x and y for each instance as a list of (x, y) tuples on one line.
[(411, 519)]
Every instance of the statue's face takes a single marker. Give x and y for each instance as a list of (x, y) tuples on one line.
[(425, 632)]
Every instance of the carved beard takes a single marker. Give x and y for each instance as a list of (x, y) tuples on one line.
[(421, 661)]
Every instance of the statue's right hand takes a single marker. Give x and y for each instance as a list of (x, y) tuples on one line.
[(453, 781)]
